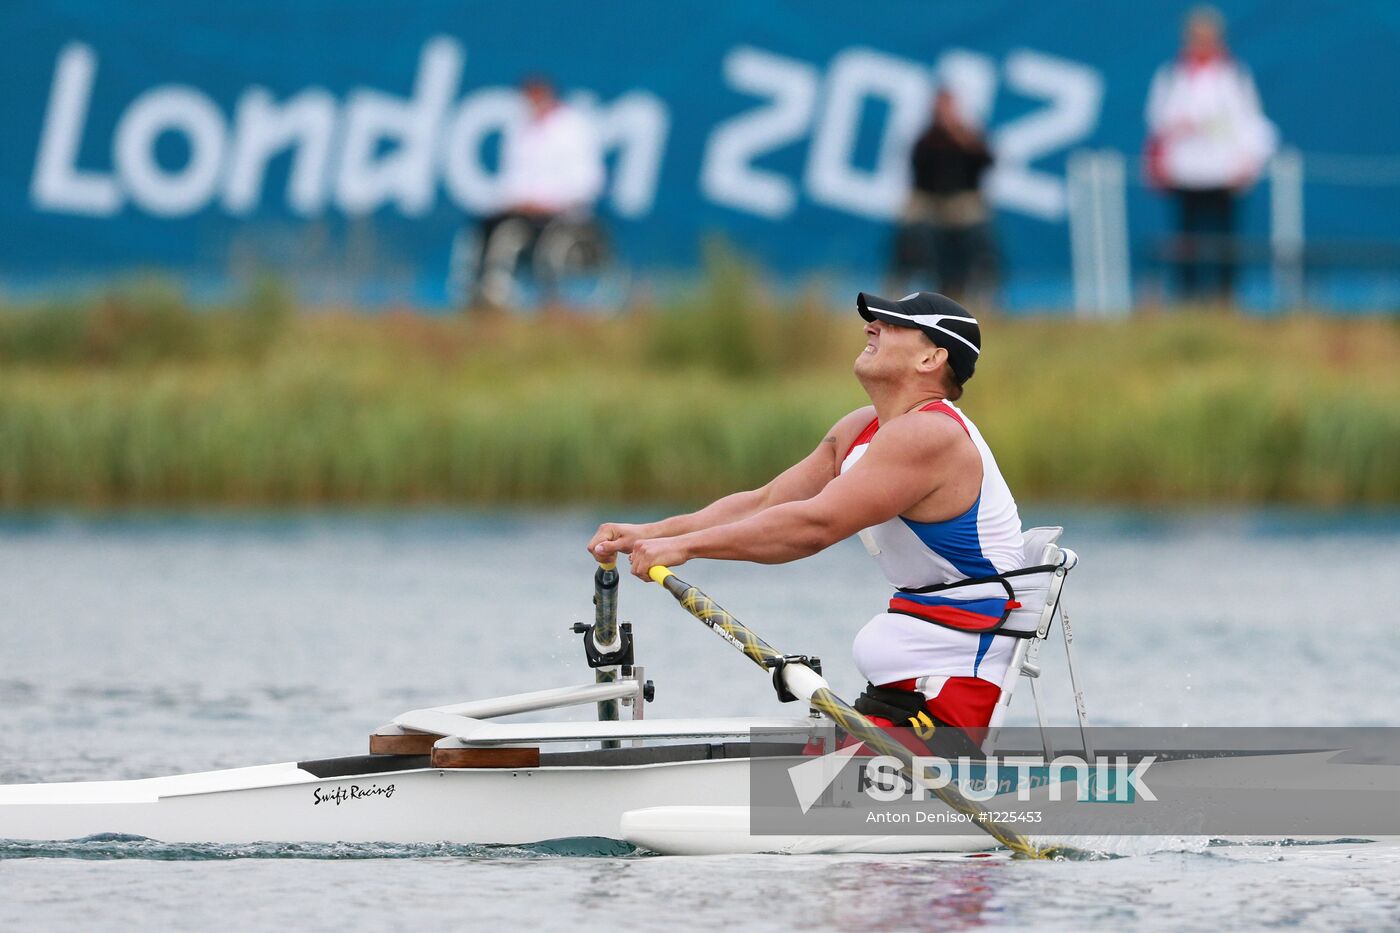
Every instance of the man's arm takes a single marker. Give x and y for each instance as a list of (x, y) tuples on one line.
[(802, 480), (894, 475)]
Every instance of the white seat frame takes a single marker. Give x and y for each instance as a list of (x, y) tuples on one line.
[(1025, 661)]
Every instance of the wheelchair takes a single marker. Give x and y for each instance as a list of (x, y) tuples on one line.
[(527, 263)]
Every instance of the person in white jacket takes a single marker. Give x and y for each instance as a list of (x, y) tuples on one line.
[(551, 163), (551, 169), (1208, 143)]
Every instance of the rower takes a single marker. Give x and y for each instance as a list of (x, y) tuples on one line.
[(913, 476)]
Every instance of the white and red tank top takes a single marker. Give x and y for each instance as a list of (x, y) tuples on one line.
[(937, 633)]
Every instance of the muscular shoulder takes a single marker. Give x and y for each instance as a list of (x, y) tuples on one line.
[(924, 435), (932, 455)]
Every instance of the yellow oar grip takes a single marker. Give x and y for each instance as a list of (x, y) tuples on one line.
[(659, 573)]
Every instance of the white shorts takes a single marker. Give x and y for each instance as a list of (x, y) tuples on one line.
[(898, 647)]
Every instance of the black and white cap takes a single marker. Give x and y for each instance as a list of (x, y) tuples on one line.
[(944, 321)]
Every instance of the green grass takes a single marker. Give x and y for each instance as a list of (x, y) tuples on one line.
[(135, 398)]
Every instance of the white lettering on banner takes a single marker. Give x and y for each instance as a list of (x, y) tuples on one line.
[(425, 137), (262, 129), (170, 108), (1075, 93), (727, 173), (406, 174), (858, 75), (492, 111), (58, 184), (378, 149), (634, 125)]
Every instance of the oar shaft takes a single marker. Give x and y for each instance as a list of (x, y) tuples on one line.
[(717, 618), (805, 683)]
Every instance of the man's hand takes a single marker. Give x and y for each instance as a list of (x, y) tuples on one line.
[(653, 552), (612, 537)]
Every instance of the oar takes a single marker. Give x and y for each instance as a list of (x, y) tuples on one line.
[(807, 684)]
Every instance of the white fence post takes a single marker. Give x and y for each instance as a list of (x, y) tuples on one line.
[(1113, 207), (1079, 171), (1286, 227), (1096, 185)]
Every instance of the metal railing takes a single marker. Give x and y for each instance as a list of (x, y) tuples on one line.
[(1101, 249)]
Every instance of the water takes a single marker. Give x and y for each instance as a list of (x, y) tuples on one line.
[(139, 645)]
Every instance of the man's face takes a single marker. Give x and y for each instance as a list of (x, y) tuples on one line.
[(539, 97), (891, 353), (1203, 38), (945, 108)]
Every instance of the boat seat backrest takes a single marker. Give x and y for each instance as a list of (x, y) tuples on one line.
[(1040, 595), (1038, 541), (1033, 590)]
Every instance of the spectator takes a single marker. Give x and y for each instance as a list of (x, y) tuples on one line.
[(551, 169), (1208, 143), (944, 236)]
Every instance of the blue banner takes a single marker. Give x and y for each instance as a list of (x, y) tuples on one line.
[(345, 140)]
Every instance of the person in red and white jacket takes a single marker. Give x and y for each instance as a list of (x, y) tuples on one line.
[(1208, 143)]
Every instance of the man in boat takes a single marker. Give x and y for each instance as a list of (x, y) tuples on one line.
[(910, 474)]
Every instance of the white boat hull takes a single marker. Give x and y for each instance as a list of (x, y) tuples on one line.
[(652, 806), (695, 806), (283, 803)]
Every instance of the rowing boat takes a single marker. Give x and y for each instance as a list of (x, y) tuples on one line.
[(456, 773)]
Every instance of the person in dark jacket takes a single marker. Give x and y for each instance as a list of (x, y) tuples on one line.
[(944, 237)]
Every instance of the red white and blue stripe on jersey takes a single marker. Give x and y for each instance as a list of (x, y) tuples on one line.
[(940, 553)]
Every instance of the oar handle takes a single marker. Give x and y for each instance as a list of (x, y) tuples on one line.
[(674, 585), (605, 580)]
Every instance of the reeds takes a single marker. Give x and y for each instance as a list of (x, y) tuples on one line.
[(136, 398)]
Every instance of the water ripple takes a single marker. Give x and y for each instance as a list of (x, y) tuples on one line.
[(117, 846)]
